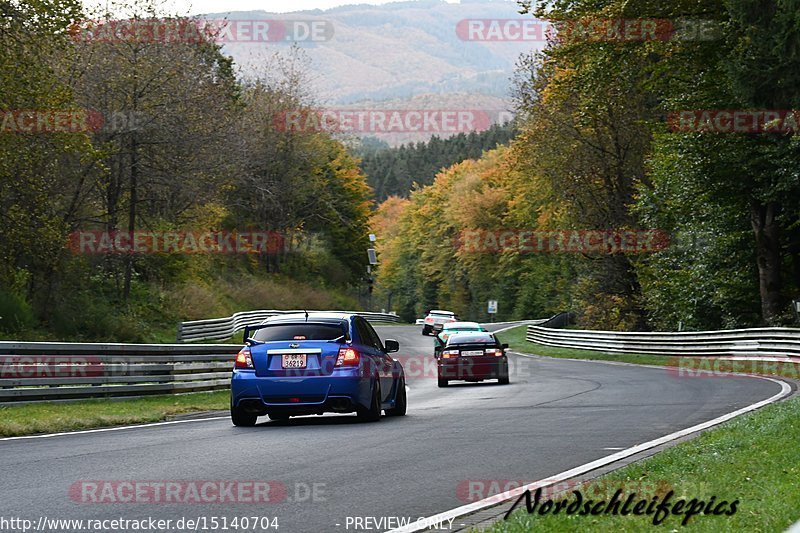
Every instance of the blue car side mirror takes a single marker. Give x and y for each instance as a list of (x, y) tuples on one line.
[(391, 345)]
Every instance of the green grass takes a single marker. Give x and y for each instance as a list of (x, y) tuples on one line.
[(753, 459), (53, 417)]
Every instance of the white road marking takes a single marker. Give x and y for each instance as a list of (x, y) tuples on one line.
[(770, 359), (119, 428), (588, 467), (516, 325)]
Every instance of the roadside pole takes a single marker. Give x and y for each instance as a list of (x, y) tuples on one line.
[(491, 308)]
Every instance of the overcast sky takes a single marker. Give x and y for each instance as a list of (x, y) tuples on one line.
[(195, 7), (277, 6)]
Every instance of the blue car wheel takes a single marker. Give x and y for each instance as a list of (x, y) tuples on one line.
[(373, 414), (242, 418), (400, 401)]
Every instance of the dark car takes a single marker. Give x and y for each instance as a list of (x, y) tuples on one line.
[(303, 364), (472, 356), (442, 332)]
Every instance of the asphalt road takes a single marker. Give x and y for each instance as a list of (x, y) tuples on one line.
[(554, 415)]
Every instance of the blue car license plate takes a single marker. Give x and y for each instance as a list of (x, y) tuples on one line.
[(293, 360)]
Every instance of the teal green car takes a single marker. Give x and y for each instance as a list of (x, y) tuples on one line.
[(442, 334)]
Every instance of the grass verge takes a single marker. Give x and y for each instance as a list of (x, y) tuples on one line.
[(752, 459), (18, 420)]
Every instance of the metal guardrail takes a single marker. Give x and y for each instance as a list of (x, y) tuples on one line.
[(537, 322), (743, 342), (37, 371), (559, 320), (224, 328), (53, 371)]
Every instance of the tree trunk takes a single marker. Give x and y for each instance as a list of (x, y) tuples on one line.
[(126, 291), (793, 249), (768, 257)]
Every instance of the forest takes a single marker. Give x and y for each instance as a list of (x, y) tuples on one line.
[(604, 143), (129, 135), (395, 171), (124, 137)]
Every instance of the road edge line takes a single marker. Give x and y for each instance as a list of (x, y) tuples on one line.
[(116, 428), (593, 465)]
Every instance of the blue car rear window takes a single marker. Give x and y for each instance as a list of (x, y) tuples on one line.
[(299, 332)]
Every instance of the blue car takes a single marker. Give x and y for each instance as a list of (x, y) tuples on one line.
[(315, 363)]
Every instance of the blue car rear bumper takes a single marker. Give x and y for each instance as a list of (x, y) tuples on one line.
[(343, 391)]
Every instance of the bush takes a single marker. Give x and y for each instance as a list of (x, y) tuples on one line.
[(15, 313)]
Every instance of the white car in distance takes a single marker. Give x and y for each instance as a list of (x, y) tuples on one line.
[(437, 316)]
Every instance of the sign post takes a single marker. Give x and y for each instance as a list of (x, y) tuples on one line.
[(492, 308), (372, 256)]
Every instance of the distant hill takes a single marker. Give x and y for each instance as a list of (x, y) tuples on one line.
[(405, 52)]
